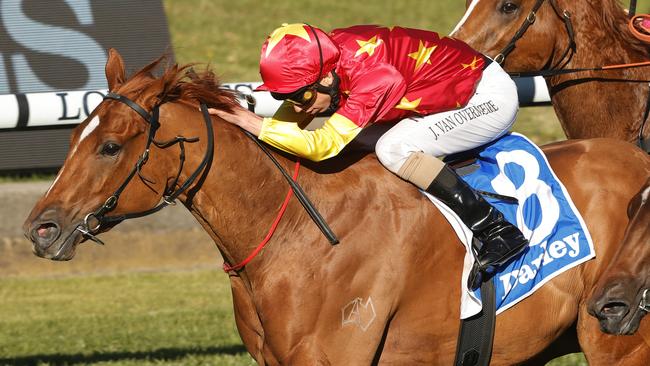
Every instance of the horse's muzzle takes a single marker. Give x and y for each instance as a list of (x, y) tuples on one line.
[(617, 308), (44, 230), (49, 236)]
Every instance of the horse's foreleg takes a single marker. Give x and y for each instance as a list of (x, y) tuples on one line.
[(248, 323)]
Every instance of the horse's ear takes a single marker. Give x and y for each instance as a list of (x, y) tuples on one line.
[(115, 74)]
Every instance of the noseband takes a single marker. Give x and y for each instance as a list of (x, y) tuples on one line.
[(530, 19), (96, 219)]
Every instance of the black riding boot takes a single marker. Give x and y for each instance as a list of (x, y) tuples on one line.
[(496, 241)]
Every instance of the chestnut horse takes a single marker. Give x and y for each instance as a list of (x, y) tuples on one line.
[(588, 104), (389, 292)]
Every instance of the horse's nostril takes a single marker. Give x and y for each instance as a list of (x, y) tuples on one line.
[(615, 309), (45, 234), (46, 230)]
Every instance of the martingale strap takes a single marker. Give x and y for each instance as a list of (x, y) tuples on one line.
[(297, 189)]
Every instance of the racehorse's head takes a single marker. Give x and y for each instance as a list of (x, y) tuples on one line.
[(622, 295), (490, 25), (110, 156)]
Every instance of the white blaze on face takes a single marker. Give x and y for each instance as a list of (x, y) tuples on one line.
[(465, 17), (90, 127)]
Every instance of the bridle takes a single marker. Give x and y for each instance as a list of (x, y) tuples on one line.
[(97, 219), (559, 67), (529, 21)]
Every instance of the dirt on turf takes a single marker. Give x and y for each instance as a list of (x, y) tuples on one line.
[(169, 240)]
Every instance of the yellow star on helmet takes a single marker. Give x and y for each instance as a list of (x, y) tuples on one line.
[(297, 29), (422, 55), (408, 105), (472, 64), (368, 46)]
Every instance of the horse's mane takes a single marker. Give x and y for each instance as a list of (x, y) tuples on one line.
[(178, 82), (616, 19)]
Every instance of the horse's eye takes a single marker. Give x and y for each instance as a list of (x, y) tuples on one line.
[(509, 8), (110, 149)]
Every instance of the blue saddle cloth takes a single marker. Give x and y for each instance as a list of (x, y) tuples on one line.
[(559, 240)]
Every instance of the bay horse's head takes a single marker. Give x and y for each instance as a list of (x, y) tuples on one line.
[(489, 26), (533, 35), (123, 160), (622, 295)]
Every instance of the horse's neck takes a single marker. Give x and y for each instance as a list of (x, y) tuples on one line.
[(588, 107), (241, 194)]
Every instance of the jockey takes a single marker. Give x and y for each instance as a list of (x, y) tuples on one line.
[(445, 97)]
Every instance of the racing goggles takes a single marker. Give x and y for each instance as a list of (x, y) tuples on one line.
[(302, 97)]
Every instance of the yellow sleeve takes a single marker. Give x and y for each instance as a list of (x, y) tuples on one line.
[(317, 145), (287, 113)]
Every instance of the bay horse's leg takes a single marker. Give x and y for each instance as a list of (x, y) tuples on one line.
[(604, 349)]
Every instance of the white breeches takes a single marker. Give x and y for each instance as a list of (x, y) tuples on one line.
[(489, 114)]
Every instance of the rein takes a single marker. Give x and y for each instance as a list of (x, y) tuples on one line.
[(295, 188), (300, 194)]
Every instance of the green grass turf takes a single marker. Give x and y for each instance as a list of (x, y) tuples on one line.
[(163, 318), (131, 319)]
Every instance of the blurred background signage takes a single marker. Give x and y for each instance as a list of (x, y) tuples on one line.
[(52, 58)]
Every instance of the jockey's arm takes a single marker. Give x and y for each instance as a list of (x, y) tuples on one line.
[(320, 144), (373, 95)]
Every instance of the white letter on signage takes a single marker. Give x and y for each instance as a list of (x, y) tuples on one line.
[(53, 40)]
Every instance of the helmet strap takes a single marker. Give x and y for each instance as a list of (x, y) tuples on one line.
[(333, 92)]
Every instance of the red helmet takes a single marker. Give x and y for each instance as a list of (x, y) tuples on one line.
[(294, 56)]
